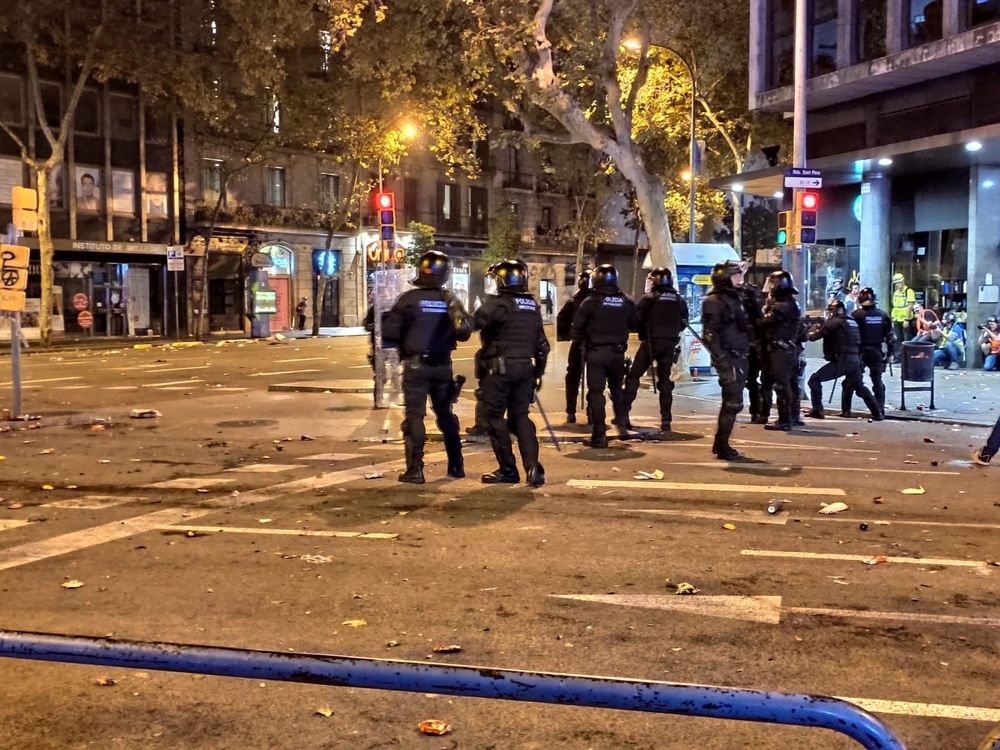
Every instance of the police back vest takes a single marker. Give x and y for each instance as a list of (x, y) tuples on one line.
[(842, 340), (784, 317), (514, 327), (663, 316), (609, 317), (723, 309), (564, 320), (874, 326), (426, 328)]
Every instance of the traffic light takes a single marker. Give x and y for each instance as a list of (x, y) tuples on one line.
[(784, 228), (806, 212), (385, 205)]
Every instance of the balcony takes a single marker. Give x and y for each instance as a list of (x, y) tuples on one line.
[(261, 215), (518, 181)]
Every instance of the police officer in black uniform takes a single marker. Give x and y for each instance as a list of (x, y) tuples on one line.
[(426, 322), (602, 326), (875, 326), (514, 352), (480, 427), (760, 401), (842, 352), (726, 334), (663, 314), (564, 332), (780, 327)]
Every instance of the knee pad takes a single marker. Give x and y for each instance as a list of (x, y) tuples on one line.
[(733, 404)]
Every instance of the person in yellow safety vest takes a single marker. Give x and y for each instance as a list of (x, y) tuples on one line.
[(903, 318)]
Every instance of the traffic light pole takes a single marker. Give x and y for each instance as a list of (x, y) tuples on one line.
[(796, 262)]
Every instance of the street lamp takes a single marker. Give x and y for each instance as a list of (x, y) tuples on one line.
[(636, 45)]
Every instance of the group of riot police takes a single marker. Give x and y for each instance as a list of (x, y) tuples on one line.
[(755, 341)]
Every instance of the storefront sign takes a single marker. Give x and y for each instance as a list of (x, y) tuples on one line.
[(379, 254), (85, 319), (220, 244), (261, 260), (80, 302)]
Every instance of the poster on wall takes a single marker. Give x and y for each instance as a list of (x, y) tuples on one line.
[(88, 188), (460, 281), (137, 301), (31, 318), (122, 191), (11, 176), (156, 194), (57, 188)]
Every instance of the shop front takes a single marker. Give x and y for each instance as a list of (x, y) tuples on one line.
[(280, 275)]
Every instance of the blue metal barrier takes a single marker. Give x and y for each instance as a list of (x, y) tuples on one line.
[(470, 682)]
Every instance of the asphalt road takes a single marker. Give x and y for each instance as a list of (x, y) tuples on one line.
[(578, 576)]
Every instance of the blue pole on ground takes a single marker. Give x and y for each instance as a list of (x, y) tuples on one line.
[(471, 682)]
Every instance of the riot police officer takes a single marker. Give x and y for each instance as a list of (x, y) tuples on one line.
[(564, 332), (780, 327), (602, 326), (514, 353), (426, 322), (663, 315), (480, 427), (875, 327), (842, 352), (759, 394), (726, 334)]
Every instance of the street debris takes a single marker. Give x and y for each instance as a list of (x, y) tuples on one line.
[(434, 726), (992, 564), (306, 439), (355, 623), (657, 475), (391, 644), (878, 500), (876, 560), (453, 649), (36, 518), (774, 507), (928, 440), (47, 452), (729, 527), (15, 506), (685, 589), (145, 414), (315, 559), (47, 487), (375, 475), (104, 681), (914, 491), (74, 584), (264, 520), (97, 428), (863, 527), (324, 711), (831, 508)]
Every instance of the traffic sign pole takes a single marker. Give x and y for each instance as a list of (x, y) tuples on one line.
[(15, 345)]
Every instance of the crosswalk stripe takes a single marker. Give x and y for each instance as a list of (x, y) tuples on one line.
[(285, 532), (94, 502), (11, 523), (862, 558), (766, 489), (264, 468), (188, 483), (750, 516), (172, 382), (282, 372)]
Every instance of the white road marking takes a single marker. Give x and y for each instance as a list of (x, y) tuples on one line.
[(11, 523), (71, 387), (766, 489), (281, 372), (298, 359), (750, 516), (334, 457), (228, 389), (94, 502), (930, 710), (121, 388), (46, 380), (286, 532), (771, 468), (180, 369), (264, 468), (862, 558), (825, 448), (932, 524), (23, 554), (192, 381), (359, 367), (188, 483)]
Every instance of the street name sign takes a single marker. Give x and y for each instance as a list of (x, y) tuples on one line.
[(796, 177)]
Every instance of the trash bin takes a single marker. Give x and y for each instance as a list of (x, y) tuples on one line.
[(917, 367)]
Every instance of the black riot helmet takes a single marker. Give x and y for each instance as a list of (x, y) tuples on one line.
[(867, 297), (836, 309), (433, 270), (660, 279), (605, 278), (781, 284), (512, 276), (583, 280), (722, 274)]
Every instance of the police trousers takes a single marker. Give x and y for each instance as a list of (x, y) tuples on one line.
[(660, 353), (782, 372), (874, 362), (733, 381), (605, 369), (756, 365), (420, 381), (850, 369), (506, 400), (574, 376)]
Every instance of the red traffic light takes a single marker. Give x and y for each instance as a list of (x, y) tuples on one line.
[(385, 201), (809, 201)]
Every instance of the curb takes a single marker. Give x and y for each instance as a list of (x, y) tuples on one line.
[(64, 421), (956, 422)]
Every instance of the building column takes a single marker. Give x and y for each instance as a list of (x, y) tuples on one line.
[(874, 264), (984, 261), (897, 29)]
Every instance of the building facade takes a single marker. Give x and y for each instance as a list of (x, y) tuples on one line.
[(904, 123)]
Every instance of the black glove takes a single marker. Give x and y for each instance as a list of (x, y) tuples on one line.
[(538, 383)]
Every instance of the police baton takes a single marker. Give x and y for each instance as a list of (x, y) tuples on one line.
[(545, 418), (695, 334)]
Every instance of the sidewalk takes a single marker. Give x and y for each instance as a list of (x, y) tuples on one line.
[(960, 396)]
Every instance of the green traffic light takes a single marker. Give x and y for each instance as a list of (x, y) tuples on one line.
[(782, 236)]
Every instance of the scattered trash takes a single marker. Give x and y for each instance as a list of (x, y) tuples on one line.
[(729, 527), (15, 506), (264, 520), (685, 589), (774, 507), (878, 500), (914, 491), (145, 414), (36, 518), (47, 487), (863, 527), (74, 584), (453, 649), (104, 681), (97, 428), (47, 452), (434, 726), (104, 461), (911, 462), (316, 559), (324, 711), (355, 623), (392, 644), (657, 475), (876, 560), (375, 475), (829, 510), (307, 439), (928, 440), (992, 564)]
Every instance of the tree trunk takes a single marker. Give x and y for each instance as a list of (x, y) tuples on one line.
[(651, 196), (737, 199), (203, 281), (318, 288), (46, 253), (635, 261)]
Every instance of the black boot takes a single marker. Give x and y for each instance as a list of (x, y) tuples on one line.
[(414, 473), (571, 417), (873, 407), (727, 453), (456, 470), (502, 475), (597, 440), (535, 476)]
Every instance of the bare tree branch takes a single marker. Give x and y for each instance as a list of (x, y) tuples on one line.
[(19, 143), (36, 90), (609, 72), (723, 131)]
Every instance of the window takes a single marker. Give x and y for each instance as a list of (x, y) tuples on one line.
[(824, 37), (329, 191), (479, 206), (324, 48), (211, 180), (925, 20), (274, 186), (411, 199), (87, 118), (546, 224), (11, 100), (157, 125), (979, 12), (449, 206), (872, 21), (782, 23), (123, 117), (272, 114), (52, 103)]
